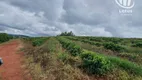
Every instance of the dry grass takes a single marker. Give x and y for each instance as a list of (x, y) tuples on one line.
[(44, 63)]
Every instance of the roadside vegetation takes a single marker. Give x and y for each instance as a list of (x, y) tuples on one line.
[(4, 37)]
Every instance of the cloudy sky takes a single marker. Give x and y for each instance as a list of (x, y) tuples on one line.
[(83, 17)]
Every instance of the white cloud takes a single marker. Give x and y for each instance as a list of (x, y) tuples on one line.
[(83, 17), (21, 22)]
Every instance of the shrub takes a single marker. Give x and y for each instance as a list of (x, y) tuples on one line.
[(95, 64), (76, 50), (126, 65), (138, 44), (4, 37), (70, 46), (114, 47), (63, 56), (39, 41)]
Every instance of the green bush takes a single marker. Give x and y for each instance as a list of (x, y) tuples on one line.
[(95, 64), (4, 37), (63, 56), (114, 47), (138, 44), (39, 41)]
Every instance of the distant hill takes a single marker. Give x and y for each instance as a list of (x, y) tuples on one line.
[(18, 36)]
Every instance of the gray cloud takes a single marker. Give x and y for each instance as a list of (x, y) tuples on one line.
[(83, 17)]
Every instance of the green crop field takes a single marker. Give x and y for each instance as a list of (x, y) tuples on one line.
[(84, 58)]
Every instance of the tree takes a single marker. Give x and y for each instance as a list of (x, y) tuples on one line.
[(67, 34)]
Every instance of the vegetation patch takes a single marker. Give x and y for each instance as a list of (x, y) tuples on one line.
[(66, 59), (138, 44), (70, 46), (38, 42), (4, 37), (114, 47), (126, 65), (95, 64)]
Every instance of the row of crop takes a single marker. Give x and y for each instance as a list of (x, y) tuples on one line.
[(70, 46), (135, 47), (29, 39), (134, 42), (137, 44), (103, 39), (121, 52), (42, 62), (86, 41), (106, 45), (98, 63), (93, 64), (38, 41)]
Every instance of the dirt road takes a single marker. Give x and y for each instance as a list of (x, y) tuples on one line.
[(12, 67)]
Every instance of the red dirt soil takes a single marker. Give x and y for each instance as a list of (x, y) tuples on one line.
[(12, 67)]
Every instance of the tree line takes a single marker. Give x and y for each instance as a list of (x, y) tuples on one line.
[(66, 34)]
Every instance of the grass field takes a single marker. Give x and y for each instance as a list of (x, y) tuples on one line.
[(84, 58)]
